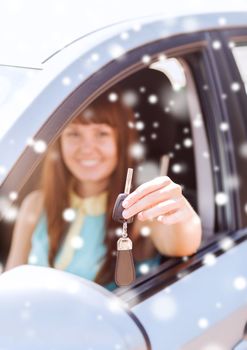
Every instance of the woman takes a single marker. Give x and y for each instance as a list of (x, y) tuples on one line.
[(85, 170)]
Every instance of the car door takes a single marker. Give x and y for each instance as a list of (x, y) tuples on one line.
[(183, 301)]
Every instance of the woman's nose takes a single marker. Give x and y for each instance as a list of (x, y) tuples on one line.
[(87, 144)]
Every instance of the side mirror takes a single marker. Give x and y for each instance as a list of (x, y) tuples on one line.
[(43, 308)]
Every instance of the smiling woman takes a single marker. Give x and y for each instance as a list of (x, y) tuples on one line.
[(67, 224)]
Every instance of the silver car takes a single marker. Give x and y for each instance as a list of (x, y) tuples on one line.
[(186, 79)]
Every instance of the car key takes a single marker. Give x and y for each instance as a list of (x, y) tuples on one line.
[(125, 268), (118, 208)]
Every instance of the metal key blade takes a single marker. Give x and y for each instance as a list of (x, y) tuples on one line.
[(128, 181)]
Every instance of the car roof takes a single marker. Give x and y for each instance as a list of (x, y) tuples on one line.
[(36, 46), (24, 90)]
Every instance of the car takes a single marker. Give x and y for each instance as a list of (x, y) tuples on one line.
[(186, 79)]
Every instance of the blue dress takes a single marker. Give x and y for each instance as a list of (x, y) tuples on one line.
[(83, 251)]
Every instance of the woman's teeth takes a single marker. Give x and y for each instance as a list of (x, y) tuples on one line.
[(88, 162)]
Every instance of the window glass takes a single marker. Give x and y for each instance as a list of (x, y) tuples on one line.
[(240, 54)]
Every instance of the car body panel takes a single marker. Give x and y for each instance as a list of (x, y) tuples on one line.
[(197, 303)]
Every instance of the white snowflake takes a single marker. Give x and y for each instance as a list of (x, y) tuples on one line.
[(226, 243), (113, 97), (186, 130), (13, 196), (153, 136), (177, 146), (145, 231), (140, 125), (137, 115), (167, 109), (33, 259), (2, 170), (39, 146), (224, 96), (142, 138), (235, 86), (142, 89), (177, 168), (146, 59), (216, 44), (221, 198), (222, 21), (231, 44), (124, 35), (66, 81), (116, 51), (162, 57), (205, 154), (130, 98), (69, 214), (10, 213), (209, 259), (144, 268), (153, 99), (188, 142), (156, 124), (137, 27), (76, 242), (131, 125), (205, 87), (203, 323), (224, 126), (197, 122), (119, 232), (137, 150), (218, 305), (95, 57), (116, 305), (240, 283)]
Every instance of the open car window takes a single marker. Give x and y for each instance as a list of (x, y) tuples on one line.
[(170, 124)]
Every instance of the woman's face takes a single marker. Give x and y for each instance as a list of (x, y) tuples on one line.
[(89, 151)]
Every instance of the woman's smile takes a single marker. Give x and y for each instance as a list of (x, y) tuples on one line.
[(90, 153)]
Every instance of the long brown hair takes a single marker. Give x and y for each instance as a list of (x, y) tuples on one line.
[(56, 177)]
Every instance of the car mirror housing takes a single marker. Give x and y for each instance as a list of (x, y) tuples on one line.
[(44, 308)]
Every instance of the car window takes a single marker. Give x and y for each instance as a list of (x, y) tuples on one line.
[(169, 123), (240, 54)]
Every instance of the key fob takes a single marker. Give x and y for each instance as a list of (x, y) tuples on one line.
[(118, 209)]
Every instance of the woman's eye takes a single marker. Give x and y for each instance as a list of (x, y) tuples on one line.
[(103, 133), (73, 134)]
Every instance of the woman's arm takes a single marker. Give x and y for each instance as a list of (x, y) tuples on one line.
[(175, 226), (27, 219)]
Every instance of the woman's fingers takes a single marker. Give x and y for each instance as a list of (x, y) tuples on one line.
[(145, 189), (152, 199), (161, 209), (178, 216)]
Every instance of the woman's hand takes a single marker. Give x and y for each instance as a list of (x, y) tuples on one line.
[(160, 199)]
